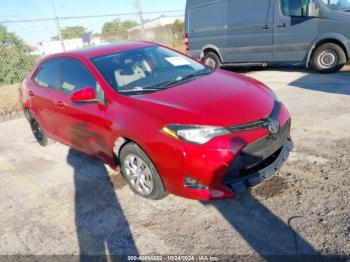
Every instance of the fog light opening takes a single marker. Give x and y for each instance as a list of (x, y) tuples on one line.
[(194, 184)]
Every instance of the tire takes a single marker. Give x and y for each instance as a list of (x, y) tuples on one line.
[(212, 60), (328, 58), (37, 131), (140, 173)]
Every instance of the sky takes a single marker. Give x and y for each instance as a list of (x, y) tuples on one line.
[(35, 32)]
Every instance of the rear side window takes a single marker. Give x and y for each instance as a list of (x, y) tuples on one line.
[(248, 12), (48, 74), (292, 7), (76, 76)]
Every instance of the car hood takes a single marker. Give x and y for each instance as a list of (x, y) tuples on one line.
[(219, 99)]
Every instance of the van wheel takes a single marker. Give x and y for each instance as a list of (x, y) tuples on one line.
[(212, 60), (328, 58), (140, 173)]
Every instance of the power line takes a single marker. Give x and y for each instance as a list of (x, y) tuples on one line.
[(87, 16)]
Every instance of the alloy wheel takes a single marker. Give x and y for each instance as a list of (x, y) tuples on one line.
[(138, 174)]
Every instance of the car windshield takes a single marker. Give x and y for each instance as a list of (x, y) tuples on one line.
[(147, 69), (338, 4)]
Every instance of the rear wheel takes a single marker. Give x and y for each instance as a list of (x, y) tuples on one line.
[(38, 132), (212, 60), (140, 173), (328, 58)]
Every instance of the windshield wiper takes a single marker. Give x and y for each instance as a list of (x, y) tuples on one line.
[(139, 90), (181, 79)]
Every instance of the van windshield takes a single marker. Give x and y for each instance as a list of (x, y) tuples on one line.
[(343, 5), (148, 69)]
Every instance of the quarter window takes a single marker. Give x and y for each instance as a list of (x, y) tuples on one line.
[(48, 74), (76, 76)]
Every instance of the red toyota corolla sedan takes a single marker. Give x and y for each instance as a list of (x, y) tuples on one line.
[(170, 123)]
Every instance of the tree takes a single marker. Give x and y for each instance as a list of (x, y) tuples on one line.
[(71, 32), (16, 61), (178, 29), (117, 30)]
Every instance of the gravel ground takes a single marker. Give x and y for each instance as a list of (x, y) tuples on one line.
[(56, 201)]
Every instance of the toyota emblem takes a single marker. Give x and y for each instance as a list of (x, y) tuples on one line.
[(273, 126)]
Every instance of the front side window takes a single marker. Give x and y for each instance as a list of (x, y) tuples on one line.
[(48, 74), (76, 76), (342, 5), (147, 69)]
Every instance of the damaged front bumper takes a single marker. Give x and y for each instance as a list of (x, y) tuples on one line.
[(242, 184)]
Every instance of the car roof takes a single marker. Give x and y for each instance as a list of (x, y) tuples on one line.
[(101, 50)]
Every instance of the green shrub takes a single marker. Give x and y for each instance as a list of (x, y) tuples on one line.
[(15, 59)]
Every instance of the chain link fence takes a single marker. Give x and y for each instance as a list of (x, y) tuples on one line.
[(21, 48)]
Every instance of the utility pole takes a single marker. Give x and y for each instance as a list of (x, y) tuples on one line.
[(138, 6), (58, 26)]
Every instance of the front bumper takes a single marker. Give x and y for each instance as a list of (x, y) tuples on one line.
[(240, 185)]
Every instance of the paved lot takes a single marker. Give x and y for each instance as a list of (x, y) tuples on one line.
[(57, 201)]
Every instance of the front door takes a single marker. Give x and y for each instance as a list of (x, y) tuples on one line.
[(83, 125), (293, 31), (249, 32)]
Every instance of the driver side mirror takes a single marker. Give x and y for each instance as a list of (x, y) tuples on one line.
[(84, 95)]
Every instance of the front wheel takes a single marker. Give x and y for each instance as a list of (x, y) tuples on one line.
[(328, 58), (140, 173)]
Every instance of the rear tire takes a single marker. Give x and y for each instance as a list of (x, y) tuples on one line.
[(140, 173), (37, 131), (328, 58), (212, 60)]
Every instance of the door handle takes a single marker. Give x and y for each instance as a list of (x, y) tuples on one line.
[(266, 27), (60, 104), (283, 25)]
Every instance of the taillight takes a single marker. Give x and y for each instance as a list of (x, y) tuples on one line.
[(186, 42)]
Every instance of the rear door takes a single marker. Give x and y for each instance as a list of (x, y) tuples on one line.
[(43, 89), (293, 32), (82, 124), (249, 32)]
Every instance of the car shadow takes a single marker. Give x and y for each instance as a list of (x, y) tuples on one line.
[(266, 233), (102, 229), (269, 236)]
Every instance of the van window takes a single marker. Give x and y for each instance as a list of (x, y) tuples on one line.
[(248, 12), (338, 4), (292, 7), (48, 74), (209, 15), (75, 76)]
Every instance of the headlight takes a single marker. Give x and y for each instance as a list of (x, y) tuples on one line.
[(194, 134)]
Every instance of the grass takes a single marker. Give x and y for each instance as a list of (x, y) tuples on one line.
[(9, 101)]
